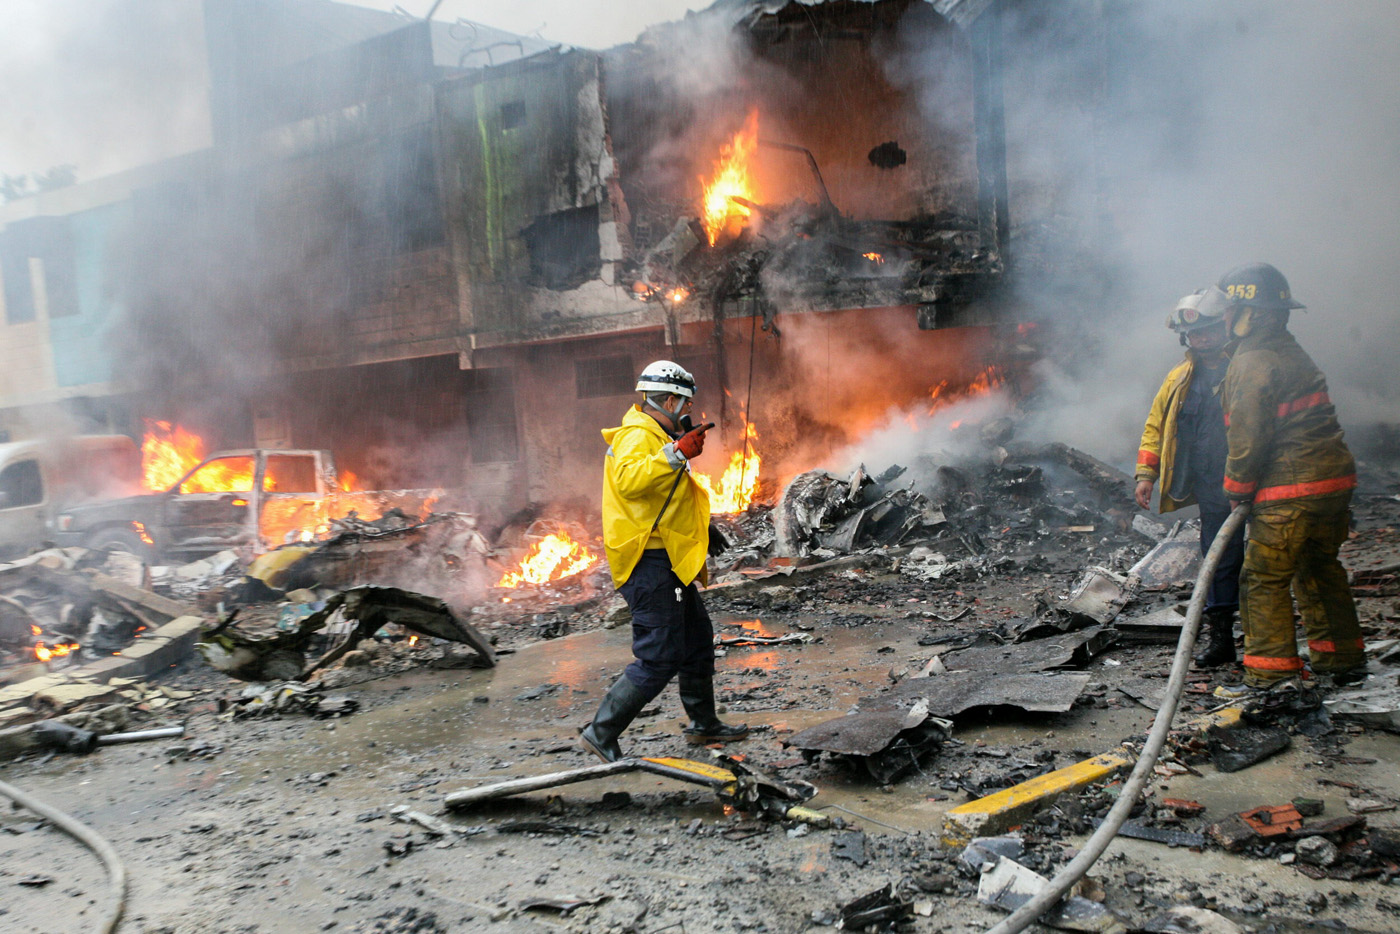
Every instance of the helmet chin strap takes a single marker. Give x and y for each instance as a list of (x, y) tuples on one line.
[(674, 417)]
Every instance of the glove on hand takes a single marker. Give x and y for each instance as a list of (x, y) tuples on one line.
[(691, 443)]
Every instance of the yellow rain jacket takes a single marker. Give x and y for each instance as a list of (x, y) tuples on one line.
[(1285, 442), (1157, 450), (637, 476)]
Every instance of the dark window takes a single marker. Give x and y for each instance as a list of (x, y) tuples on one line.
[(564, 250), (490, 406), (603, 376), (290, 473), (21, 485), (512, 114)]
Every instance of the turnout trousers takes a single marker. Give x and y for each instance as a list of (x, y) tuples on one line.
[(1293, 546), (671, 631)]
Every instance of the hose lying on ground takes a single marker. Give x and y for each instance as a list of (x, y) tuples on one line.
[(85, 835), (1022, 918)]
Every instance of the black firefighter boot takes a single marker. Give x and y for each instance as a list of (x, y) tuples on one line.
[(1218, 646), (619, 708), (698, 699)]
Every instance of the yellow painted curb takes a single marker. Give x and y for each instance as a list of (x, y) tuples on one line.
[(999, 812)]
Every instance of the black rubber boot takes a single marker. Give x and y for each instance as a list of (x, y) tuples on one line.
[(1218, 646), (619, 708), (698, 699)]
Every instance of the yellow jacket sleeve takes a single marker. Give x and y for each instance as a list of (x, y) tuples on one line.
[(1149, 458)]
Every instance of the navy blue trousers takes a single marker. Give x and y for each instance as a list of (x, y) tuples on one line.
[(1225, 585), (671, 632)]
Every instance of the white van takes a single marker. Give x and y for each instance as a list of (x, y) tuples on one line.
[(39, 478)]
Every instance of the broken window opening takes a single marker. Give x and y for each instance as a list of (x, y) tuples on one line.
[(290, 473), (21, 485), (564, 248), (603, 376)]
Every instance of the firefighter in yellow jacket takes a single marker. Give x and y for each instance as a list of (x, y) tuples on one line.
[(1183, 444), (1288, 459), (656, 531)]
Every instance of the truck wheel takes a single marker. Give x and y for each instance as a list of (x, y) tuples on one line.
[(121, 539)]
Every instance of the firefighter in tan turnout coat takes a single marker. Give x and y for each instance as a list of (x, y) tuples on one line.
[(1288, 459)]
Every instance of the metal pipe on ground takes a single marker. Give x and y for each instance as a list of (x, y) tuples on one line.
[(1026, 915), (138, 736)]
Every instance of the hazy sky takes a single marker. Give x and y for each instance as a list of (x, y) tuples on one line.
[(589, 23), (85, 83)]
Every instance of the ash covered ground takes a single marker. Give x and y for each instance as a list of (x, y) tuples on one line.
[(295, 822)]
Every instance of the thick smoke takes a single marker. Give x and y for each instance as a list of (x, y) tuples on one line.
[(1154, 145), (1184, 139), (102, 85)]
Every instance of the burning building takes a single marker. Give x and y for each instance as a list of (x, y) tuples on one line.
[(443, 251)]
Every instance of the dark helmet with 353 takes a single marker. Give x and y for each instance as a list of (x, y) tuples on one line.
[(1258, 285)]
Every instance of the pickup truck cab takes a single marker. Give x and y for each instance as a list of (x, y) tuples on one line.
[(41, 478), (255, 498)]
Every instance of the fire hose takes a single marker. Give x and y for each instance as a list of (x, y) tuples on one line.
[(1094, 847), (116, 871)]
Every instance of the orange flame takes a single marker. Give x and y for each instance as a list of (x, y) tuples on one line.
[(946, 393), (552, 558), (43, 652), (719, 213), (168, 452), (875, 258), (735, 489)]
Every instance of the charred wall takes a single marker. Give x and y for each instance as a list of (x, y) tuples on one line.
[(840, 80)]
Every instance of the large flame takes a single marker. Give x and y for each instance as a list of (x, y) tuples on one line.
[(731, 179), (168, 452), (736, 486), (552, 558)]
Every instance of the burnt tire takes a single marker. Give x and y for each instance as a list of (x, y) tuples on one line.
[(118, 538)]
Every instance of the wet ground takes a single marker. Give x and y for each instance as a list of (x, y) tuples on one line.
[(288, 828)]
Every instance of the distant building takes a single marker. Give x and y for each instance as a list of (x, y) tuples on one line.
[(443, 251)]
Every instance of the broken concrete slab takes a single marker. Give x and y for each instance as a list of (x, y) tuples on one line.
[(948, 695), (1068, 650), (886, 743)]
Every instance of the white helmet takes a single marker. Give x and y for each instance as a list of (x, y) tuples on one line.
[(665, 376), (1200, 309)]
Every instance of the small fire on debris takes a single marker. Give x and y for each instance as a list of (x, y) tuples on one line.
[(946, 393), (552, 558), (720, 213), (736, 486), (875, 258), (45, 653)]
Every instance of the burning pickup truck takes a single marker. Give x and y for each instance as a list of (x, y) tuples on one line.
[(253, 499)]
